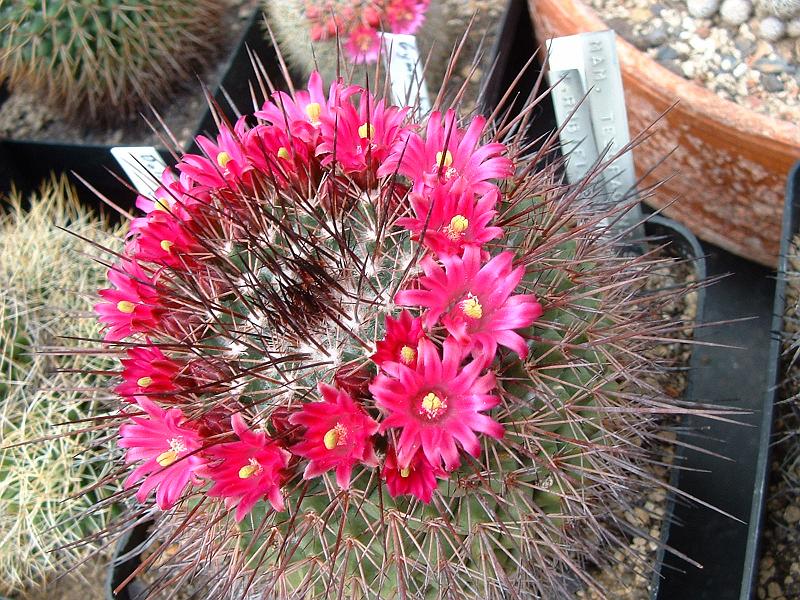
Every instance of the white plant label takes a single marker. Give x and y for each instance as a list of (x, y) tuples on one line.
[(402, 60), (143, 165), (577, 136), (594, 57)]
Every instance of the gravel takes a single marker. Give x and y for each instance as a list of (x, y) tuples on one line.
[(734, 61)]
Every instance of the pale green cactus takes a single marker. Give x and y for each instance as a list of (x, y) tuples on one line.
[(46, 284)]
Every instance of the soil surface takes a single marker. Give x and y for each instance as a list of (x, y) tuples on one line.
[(622, 582), (735, 62)]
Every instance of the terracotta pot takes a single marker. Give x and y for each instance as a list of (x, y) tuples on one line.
[(732, 163)]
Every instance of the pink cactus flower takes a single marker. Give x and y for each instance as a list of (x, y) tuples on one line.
[(248, 470), (446, 220), (474, 302), (363, 44), (437, 405), (301, 116), (450, 155), (418, 479), (176, 191), (163, 238), (271, 150), (168, 448), (147, 370), (132, 306), (406, 16), (224, 163), (338, 435), (361, 138), (399, 345)]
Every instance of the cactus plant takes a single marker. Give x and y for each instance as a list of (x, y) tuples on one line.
[(105, 59), (345, 32), (368, 356), (46, 280)]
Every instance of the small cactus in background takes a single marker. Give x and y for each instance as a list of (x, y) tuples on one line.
[(311, 33), (370, 356), (106, 59), (46, 281)]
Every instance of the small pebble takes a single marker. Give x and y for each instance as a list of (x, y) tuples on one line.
[(735, 12), (766, 65), (792, 514), (793, 28), (774, 590), (771, 29), (772, 83), (727, 62), (702, 9), (666, 53)]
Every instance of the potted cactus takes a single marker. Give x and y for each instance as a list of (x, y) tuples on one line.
[(740, 157), (381, 354), (98, 66), (46, 281), (333, 36)]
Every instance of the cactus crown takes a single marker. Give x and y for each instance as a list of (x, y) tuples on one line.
[(110, 58), (46, 283), (400, 352)]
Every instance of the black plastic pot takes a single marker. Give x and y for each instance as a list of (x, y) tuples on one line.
[(722, 373), (127, 558), (27, 162)]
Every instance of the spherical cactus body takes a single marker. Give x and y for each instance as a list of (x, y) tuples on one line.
[(106, 60), (373, 354), (46, 282)]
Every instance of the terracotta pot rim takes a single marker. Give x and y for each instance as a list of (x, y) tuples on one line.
[(703, 100)]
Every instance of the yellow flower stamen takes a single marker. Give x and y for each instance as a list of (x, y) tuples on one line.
[(283, 153), (335, 437), (407, 355), (366, 131), (124, 306), (314, 110), (165, 459), (458, 225), (223, 158), (144, 381), (444, 159), (176, 446), (472, 308), (250, 469), (161, 204), (432, 405), (405, 472), (166, 245)]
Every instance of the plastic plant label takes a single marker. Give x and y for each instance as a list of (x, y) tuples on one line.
[(594, 57), (577, 136), (402, 60), (143, 165)]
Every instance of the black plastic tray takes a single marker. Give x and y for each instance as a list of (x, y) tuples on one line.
[(28, 162)]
